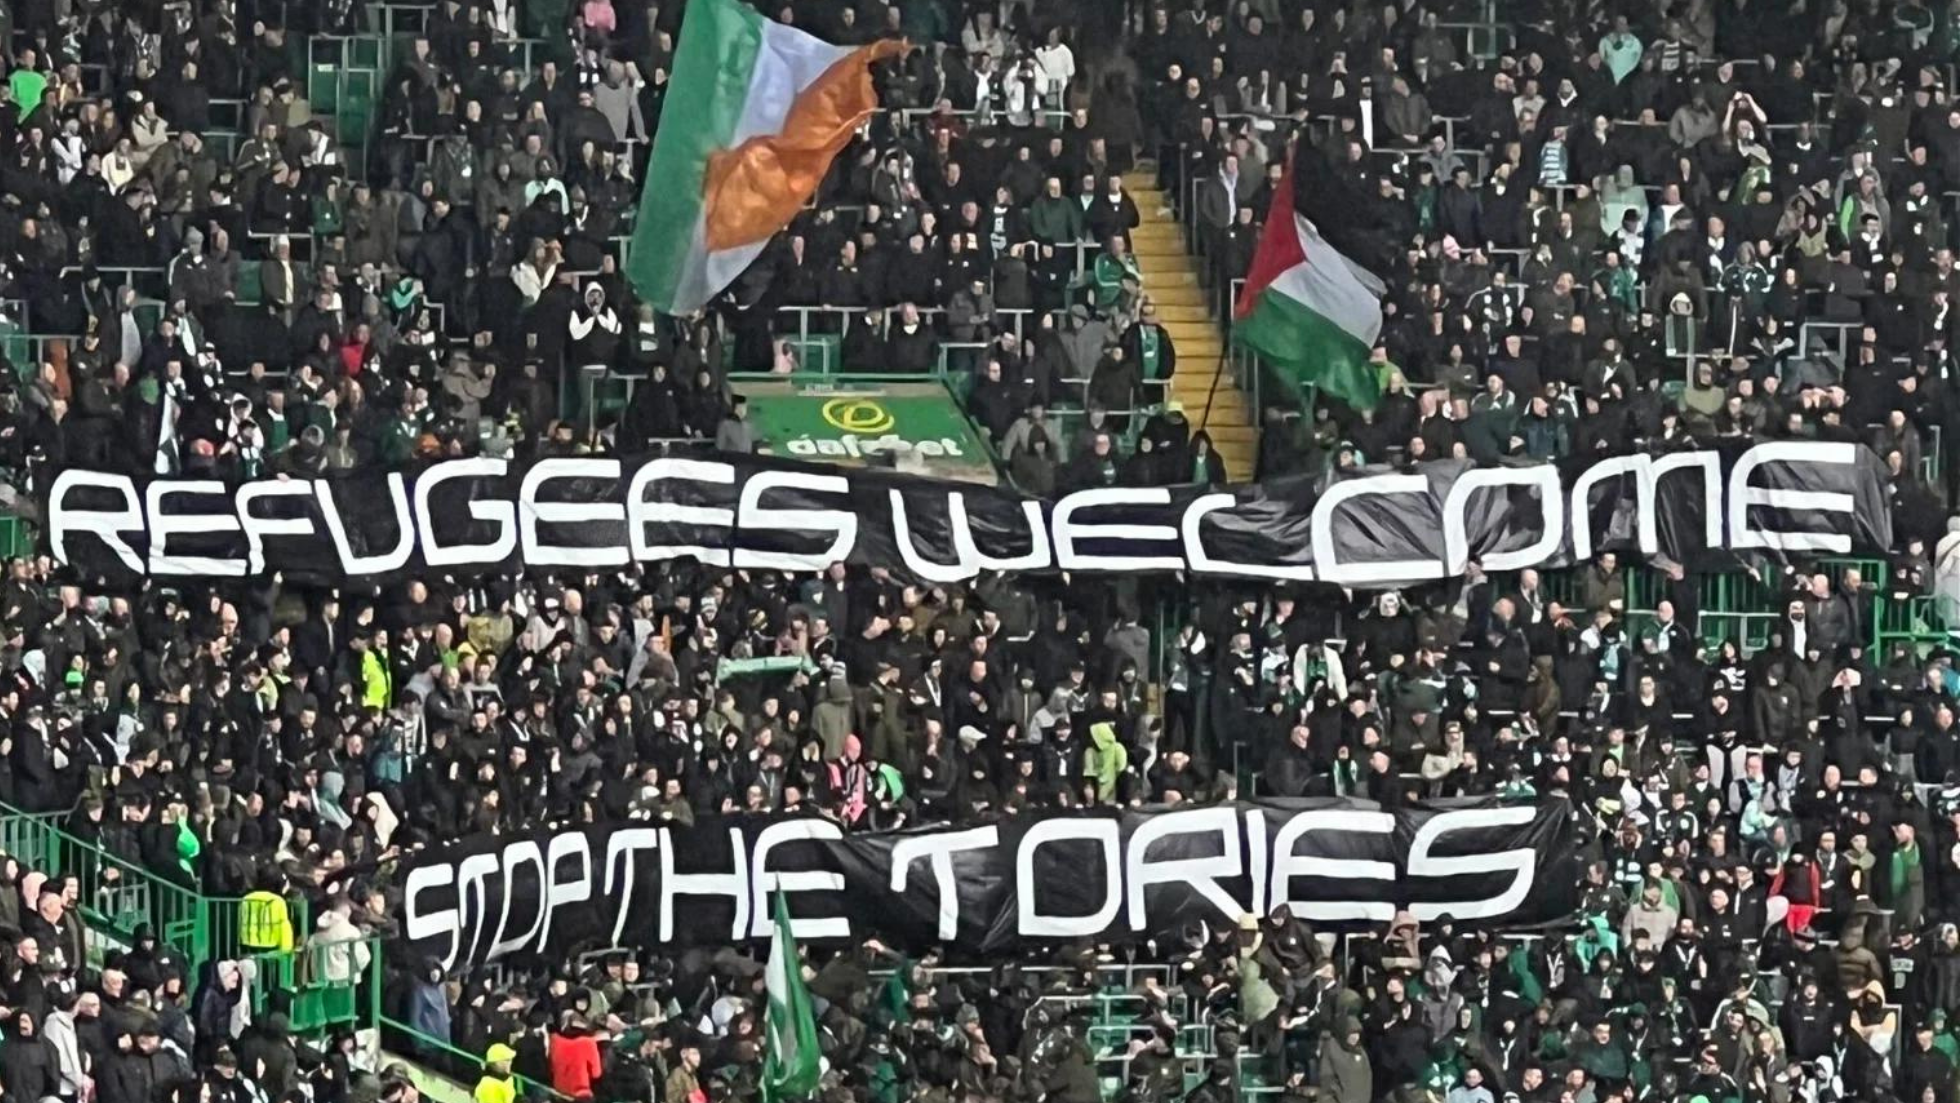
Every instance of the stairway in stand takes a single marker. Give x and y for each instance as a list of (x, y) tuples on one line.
[(1170, 279)]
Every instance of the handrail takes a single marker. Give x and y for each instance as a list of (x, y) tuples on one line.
[(462, 1059), (118, 895)]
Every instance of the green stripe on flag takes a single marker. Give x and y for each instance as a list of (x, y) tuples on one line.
[(792, 1064), (720, 41), (1310, 348)]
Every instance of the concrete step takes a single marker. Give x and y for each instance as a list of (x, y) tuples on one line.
[(1223, 433), (1184, 314), (1226, 397), (1177, 296)]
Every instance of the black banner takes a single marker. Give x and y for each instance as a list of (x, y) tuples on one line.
[(1102, 875), (1368, 527)]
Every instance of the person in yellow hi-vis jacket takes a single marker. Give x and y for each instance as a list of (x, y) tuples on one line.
[(377, 675), (265, 924), (497, 1085)]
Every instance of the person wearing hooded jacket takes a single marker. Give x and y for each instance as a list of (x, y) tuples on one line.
[(1346, 1073), (1104, 760), (596, 330), (30, 1068), (268, 1049)]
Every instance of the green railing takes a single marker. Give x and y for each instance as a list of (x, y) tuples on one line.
[(442, 1057), (118, 895), (315, 1004)]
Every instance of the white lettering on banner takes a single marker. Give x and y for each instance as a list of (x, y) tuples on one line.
[(496, 511), (1203, 563), (258, 528), (440, 922), (1389, 571), (752, 515), (939, 849), (1255, 857), (1067, 533), (1551, 498), (734, 883), (969, 561), (164, 525), (1030, 920), (1197, 874), (108, 525), (1114, 876), (766, 881), (1287, 865), (640, 512), (523, 852), (627, 842), (473, 881), (1418, 513), (1742, 534), (393, 559), (1647, 473), (1521, 863), (531, 512), (565, 844)]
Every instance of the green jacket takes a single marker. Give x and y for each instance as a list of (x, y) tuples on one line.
[(1105, 760), (1056, 220), (1110, 274)]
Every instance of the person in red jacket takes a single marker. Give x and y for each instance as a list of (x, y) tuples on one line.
[(575, 1064)]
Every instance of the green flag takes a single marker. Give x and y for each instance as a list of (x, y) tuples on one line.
[(791, 1064)]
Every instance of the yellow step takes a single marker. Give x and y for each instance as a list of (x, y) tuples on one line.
[(1184, 314), (1198, 385), (1177, 296)]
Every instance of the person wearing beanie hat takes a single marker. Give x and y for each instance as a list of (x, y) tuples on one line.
[(497, 1085)]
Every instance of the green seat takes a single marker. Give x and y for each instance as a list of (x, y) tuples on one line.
[(323, 87), (821, 352), (250, 287), (20, 352), (365, 52)]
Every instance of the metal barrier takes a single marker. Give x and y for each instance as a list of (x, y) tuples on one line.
[(118, 895), (315, 1003), (446, 1059)]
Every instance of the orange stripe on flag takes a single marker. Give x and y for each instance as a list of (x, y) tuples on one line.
[(755, 189)]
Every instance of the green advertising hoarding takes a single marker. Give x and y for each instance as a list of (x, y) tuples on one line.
[(915, 427)]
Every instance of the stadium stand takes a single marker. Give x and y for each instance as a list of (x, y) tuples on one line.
[(339, 239)]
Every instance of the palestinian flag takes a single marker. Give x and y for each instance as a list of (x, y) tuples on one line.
[(755, 112), (1311, 306), (792, 1064)]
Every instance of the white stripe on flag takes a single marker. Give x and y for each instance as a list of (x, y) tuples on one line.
[(1333, 286)]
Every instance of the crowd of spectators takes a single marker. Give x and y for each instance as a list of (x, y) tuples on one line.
[(1612, 227)]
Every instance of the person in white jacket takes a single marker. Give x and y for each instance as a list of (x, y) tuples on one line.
[(340, 951), (1057, 64), (59, 1029)]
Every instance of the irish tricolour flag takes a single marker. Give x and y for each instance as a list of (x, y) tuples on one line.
[(1310, 309), (755, 112)]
